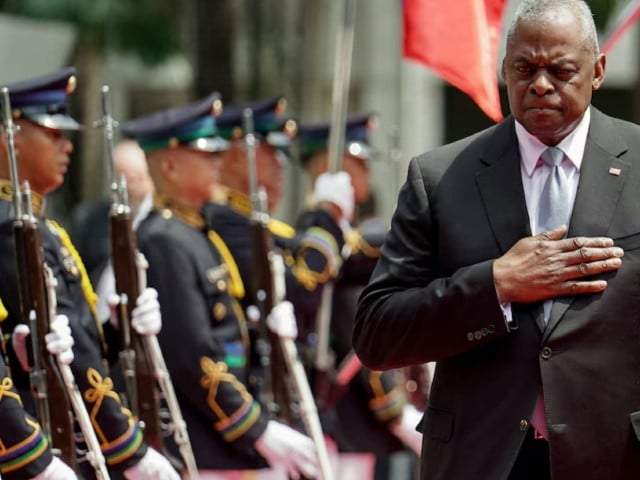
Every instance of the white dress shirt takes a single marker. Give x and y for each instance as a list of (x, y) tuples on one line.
[(535, 171)]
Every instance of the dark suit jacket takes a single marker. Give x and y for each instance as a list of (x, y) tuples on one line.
[(432, 297)]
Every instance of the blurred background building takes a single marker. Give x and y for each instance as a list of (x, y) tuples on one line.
[(158, 53)]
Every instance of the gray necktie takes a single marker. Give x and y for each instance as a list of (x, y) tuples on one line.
[(554, 210), (555, 203)]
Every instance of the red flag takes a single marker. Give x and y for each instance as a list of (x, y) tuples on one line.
[(459, 40), (629, 15)]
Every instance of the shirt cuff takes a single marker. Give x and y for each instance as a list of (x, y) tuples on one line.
[(507, 314)]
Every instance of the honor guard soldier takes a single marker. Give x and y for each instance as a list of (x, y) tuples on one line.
[(312, 255), (42, 151), (25, 452), (204, 339), (370, 418)]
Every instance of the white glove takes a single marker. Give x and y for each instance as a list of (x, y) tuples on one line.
[(152, 466), (405, 428), (145, 317), (337, 189), (283, 447), (19, 342), (56, 470), (282, 320), (59, 341)]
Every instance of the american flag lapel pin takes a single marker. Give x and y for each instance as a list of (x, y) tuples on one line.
[(614, 171)]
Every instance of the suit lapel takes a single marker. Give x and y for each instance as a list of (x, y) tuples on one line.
[(500, 185), (602, 177)]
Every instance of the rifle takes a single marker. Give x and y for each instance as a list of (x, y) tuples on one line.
[(324, 361), (286, 380), (49, 394), (146, 376), (54, 389), (94, 453)]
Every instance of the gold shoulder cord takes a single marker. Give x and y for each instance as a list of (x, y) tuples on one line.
[(85, 282), (236, 287)]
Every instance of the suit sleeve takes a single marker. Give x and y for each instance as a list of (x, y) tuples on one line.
[(410, 313)]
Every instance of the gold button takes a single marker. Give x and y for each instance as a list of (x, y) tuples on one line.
[(219, 311), (221, 285), (166, 213), (523, 425)]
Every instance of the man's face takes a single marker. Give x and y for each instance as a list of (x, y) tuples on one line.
[(358, 169), (268, 170), (196, 174), (42, 156), (550, 76), (269, 167)]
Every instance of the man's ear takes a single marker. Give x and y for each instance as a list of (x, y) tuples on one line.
[(599, 71), (167, 166)]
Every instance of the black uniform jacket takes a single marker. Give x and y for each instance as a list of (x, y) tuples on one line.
[(312, 256), (432, 297), (204, 339), (117, 431), (24, 450), (359, 420)]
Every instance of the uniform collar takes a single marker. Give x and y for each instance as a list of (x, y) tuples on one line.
[(37, 200), (169, 207)]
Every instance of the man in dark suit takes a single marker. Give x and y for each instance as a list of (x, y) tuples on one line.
[(521, 324)]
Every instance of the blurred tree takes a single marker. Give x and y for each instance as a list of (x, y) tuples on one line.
[(144, 28), (602, 10), (210, 40)]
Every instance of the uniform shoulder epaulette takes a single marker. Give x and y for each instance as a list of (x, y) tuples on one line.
[(280, 228), (3, 312), (357, 243)]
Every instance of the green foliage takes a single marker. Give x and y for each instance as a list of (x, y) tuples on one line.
[(602, 10), (146, 28)]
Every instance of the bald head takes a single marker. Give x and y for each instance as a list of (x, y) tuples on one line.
[(130, 161)]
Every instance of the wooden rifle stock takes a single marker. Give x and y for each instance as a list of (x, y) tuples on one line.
[(145, 400), (289, 389), (50, 397), (47, 386), (263, 288), (145, 372), (136, 364)]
